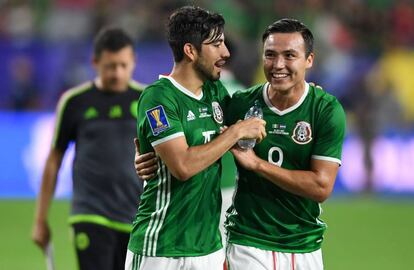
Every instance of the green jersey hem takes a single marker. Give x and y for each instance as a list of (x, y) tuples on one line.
[(176, 254), (100, 220), (241, 240)]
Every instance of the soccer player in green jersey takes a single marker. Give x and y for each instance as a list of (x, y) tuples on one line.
[(180, 117), (274, 222)]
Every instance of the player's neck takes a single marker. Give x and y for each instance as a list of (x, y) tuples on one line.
[(101, 87), (187, 77), (285, 99)]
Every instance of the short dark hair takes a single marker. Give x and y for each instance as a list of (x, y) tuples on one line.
[(193, 25), (111, 39), (291, 26)]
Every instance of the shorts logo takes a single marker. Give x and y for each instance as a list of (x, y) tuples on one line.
[(217, 112), (157, 119), (302, 134)]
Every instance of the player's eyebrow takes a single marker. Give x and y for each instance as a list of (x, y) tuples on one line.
[(290, 51)]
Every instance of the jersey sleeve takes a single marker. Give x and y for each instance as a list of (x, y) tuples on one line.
[(158, 117), (65, 123), (330, 134)]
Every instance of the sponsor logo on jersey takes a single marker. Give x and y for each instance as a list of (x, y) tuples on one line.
[(217, 112), (90, 113), (190, 116), (302, 134), (203, 112), (279, 129), (115, 112), (157, 119)]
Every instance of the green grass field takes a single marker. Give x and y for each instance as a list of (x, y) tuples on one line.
[(363, 233)]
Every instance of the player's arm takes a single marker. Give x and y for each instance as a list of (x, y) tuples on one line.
[(145, 164), (63, 133), (316, 183), (41, 232), (184, 161)]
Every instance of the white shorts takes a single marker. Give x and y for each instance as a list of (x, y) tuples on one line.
[(243, 257), (212, 261)]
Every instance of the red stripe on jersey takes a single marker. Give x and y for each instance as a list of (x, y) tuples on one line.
[(293, 261), (225, 265), (274, 260)]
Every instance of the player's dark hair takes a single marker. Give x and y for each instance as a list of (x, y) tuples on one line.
[(192, 25), (291, 26), (111, 39)]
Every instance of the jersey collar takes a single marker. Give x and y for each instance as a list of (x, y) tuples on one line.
[(288, 110), (182, 88)]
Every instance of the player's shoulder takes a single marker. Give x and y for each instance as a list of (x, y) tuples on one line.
[(160, 87), (137, 86), (249, 92), (162, 90), (323, 96), (78, 89), (75, 92)]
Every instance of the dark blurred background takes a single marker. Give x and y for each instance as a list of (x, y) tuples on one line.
[(364, 56)]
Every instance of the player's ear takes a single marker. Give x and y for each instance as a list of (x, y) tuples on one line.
[(309, 60), (95, 61), (190, 51)]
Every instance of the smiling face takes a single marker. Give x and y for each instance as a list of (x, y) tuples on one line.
[(211, 59), (285, 62)]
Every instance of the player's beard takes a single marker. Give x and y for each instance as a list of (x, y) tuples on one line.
[(206, 72)]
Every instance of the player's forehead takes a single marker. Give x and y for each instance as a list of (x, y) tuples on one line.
[(123, 54), (280, 42)]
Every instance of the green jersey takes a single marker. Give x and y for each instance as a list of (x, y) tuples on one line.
[(179, 218), (264, 215)]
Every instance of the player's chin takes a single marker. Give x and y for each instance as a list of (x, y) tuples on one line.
[(215, 76), (118, 87)]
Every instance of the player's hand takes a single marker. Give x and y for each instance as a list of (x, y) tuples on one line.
[(252, 128), (245, 157), (223, 129), (145, 165), (41, 234)]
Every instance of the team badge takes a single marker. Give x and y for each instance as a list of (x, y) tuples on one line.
[(158, 120), (217, 112), (302, 134)]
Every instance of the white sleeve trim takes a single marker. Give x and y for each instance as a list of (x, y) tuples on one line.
[(327, 159), (165, 139)]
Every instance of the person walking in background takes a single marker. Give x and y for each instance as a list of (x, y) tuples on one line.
[(180, 118), (99, 117)]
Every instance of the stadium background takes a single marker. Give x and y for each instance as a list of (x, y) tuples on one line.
[(364, 56)]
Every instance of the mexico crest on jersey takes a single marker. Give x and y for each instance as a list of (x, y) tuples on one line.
[(302, 134), (217, 112)]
